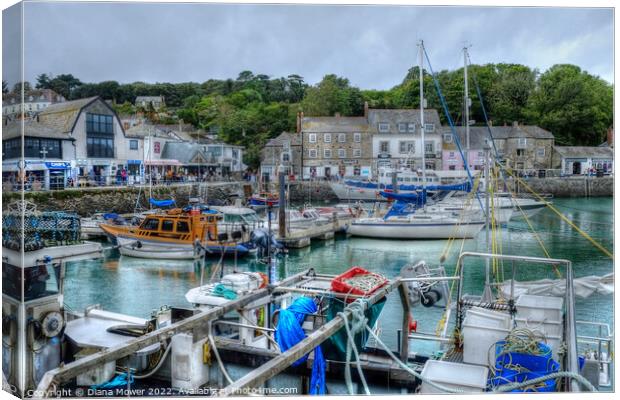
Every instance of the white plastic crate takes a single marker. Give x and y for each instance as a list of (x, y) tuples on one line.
[(479, 342), (469, 378), (539, 308)]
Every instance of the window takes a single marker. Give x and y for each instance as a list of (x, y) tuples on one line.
[(520, 152), (402, 127), (451, 154), (384, 146), (451, 167), (150, 224), (429, 147), (522, 142), (167, 225), (33, 148), (99, 123), (447, 138), (540, 152), (286, 157), (357, 137), (429, 128), (327, 138), (327, 153), (384, 127), (312, 153), (342, 153), (182, 226), (357, 153), (100, 147), (133, 144), (480, 154), (406, 147), (411, 127), (312, 138), (342, 137)]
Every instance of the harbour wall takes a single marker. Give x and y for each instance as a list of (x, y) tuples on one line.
[(87, 201)]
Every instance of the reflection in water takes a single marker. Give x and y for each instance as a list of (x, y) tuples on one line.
[(138, 286)]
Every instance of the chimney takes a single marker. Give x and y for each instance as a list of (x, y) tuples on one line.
[(490, 122), (610, 137), (337, 115), (515, 123), (366, 109), (298, 121)]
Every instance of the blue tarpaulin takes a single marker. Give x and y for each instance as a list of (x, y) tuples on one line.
[(289, 333), (161, 203)]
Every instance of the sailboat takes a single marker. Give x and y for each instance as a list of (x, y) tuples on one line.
[(408, 218)]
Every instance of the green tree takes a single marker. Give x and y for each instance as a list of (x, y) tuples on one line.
[(333, 95), (17, 88), (43, 81), (574, 105)]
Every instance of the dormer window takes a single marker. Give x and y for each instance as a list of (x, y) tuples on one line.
[(447, 138), (429, 128), (402, 127), (384, 127)]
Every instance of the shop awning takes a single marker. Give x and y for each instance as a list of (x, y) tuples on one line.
[(162, 162)]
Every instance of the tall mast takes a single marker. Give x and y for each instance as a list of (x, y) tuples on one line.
[(421, 67), (467, 101)]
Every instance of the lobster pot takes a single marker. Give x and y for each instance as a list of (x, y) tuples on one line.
[(468, 378), (481, 330), (40, 229)]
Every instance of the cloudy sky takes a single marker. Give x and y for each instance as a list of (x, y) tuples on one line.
[(373, 46)]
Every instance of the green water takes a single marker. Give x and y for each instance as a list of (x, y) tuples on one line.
[(137, 286)]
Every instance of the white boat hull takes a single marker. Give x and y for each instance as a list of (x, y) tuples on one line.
[(394, 230), (130, 247)]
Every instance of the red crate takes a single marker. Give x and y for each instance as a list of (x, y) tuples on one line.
[(338, 284)]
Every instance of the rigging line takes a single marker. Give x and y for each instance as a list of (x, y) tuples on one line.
[(563, 217), (452, 128)]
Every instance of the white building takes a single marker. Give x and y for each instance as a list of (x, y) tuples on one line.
[(34, 101), (579, 160)]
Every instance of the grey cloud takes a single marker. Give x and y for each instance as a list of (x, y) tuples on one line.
[(373, 46)]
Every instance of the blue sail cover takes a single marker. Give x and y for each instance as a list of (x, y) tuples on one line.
[(401, 208), (463, 186), (161, 203)]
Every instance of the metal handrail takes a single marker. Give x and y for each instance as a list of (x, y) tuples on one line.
[(570, 328)]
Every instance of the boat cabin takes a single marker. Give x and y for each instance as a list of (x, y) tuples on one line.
[(180, 226)]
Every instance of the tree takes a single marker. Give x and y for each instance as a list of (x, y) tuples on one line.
[(5, 87), (44, 81), (333, 95), (574, 105), (65, 85), (17, 88)]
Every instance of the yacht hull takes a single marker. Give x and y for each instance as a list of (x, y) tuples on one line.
[(389, 230)]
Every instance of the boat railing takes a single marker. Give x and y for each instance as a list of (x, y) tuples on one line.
[(603, 344), (570, 326)]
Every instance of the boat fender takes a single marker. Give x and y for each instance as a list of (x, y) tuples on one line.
[(137, 244), (413, 325), (265, 280), (244, 228)]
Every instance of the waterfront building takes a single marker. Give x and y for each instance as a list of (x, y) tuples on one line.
[(521, 147), (34, 101), (397, 138), (98, 145), (582, 160), (335, 146), (285, 149), (146, 102)]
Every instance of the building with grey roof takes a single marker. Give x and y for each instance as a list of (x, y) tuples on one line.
[(285, 150), (580, 160), (34, 101), (522, 147)]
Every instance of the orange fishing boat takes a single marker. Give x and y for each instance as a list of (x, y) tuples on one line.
[(176, 235)]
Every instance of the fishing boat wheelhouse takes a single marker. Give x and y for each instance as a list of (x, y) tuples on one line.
[(175, 235)]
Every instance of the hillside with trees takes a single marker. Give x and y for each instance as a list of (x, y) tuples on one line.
[(574, 105)]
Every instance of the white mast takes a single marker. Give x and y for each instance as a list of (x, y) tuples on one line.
[(421, 66), (467, 101)]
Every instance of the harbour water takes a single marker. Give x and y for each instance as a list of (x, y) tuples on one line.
[(138, 286)]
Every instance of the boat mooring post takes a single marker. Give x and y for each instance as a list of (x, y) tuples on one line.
[(282, 203)]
